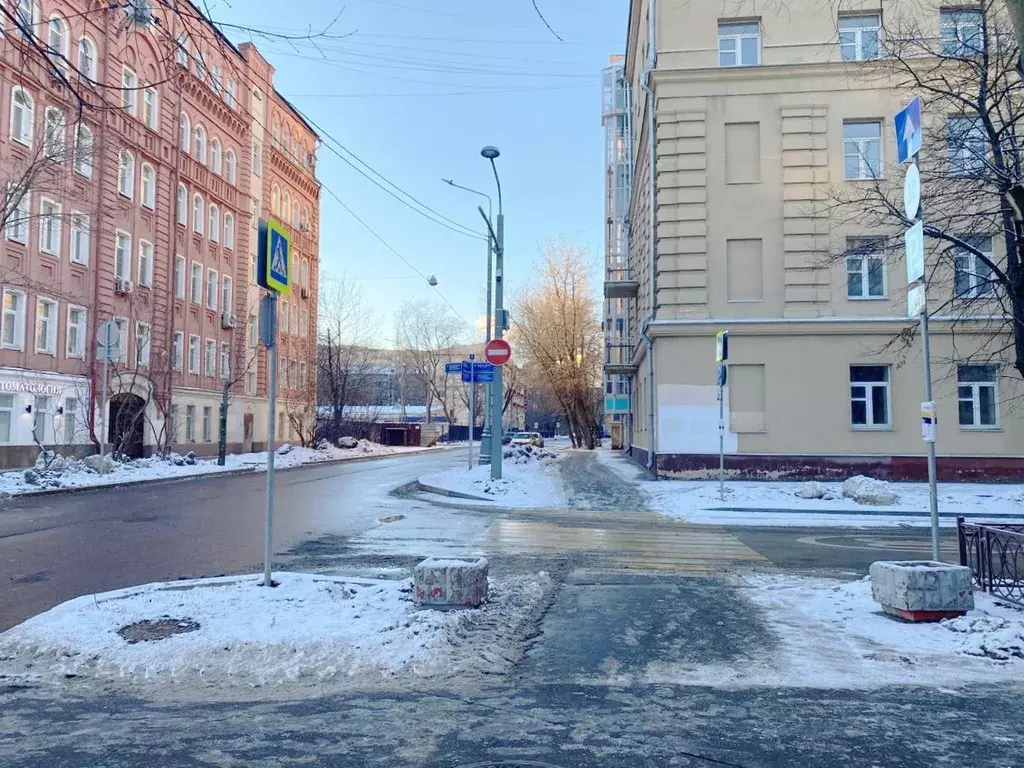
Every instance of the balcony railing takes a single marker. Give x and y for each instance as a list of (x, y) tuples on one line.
[(619, 284), (618, 357)]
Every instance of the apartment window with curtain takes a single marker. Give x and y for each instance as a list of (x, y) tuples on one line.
[(198, 213), (859, 36), (122, 255), (145, 263), (70, 420), (195, 294), (22, 115), (76, 334), (211, 289), (961, 30), (739, 43), (122, 328), (177, 352), (12, 321), (126, 174), (976, 396), (79, 238), (225, 294), (865, 269), (193, 353), (179, 277), (182, 205), (87, 58), (869, 396), (229, 231), (862, 149), (149, 108), (49, 226), (46, 326), (148, 186)]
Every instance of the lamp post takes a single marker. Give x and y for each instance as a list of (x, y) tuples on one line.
[(485, 438), (497, 394)]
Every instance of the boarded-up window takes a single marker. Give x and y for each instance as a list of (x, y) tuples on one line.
[(744, 273), (742, 153), (746, 398)]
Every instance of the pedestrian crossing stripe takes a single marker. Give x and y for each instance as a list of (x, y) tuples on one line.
[(279, 264)]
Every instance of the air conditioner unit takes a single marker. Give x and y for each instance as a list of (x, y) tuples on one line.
[(122, 286), (304, 292), (227, 320)]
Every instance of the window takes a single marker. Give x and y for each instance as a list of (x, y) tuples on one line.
[(6, 406), (976, 396), (12, 322), (122, 255), (968, 147), (28, 14), (255, 211), (305, 274), (231, 94), (181, 52), (22, 116), (302, 376), (83, 150), (295, 320), (42, 431), (126, 173), (179, 277), (865, 269), (149, 107), (858, 36), (53, 134), (176, 350), (58, 42), (215, 160), (295, 214), (214, 230), (972, 277), (184, 132), (182, 205), (76, 331), (303, 323), (862, 149), (190, 423), (129, 90), (229, 231), (252, 269), (282, 374), (148, 186), (193, 354), (277, 134), (195, 291), (199, 148), (961, 32), (70, 420), (207, 424), (293, 374), (216, 78), (250, 383), (230, 166), (17, 223), (283, 322), (305, 217), (286, 205), (211, 289), (87, 58), (49, 226), (141, 344), (225, 294), (200, 65), (225, 359), (79, 238), (254, 330), (46, 326), (869, 396), (210, 362), (257, 160), (197, 214), (275, 201), (739, 43), (145, 263), (122, 329)]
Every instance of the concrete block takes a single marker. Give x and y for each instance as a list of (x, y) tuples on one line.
[(450, 582), (922, 590)]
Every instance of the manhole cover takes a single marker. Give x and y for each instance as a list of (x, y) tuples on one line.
[(148, 630)]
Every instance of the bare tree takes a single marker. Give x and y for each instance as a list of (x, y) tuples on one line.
[(427, 333)]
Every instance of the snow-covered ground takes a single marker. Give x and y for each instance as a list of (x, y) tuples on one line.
[(529, 479), (231, 631), (776, 502), (832, 635), (77, 474)]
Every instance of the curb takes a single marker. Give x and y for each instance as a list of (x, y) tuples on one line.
[(451, 494), (209, 475)]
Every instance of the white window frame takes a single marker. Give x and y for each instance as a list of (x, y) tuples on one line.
[(303, 323), (190, 423), (872, 423), (7, 411), (80, 236), (295, 319), (225, 359), (257, 160), (184, 132), (216, 158), (967, 145), (146, 263), (181, 206), (28, 110), (973, 396), (122, 327), (194, 353), (229, 231), (126, 174), (177, 351), (199, 144), (17, 225), (195, 284), (852, 28), (49, 346), (860, 145), (15, 316), (54, 134), (213, 232), (953, 23), (967, 263), (733, 33), (87, 58), (870, 260), (225, 293), (143, 338), (254, 330), (207, 424), (50, 221), (59, 48), (148, 196), (151, 108), (125, 272), (230, 167), (210, 357), (179, 276), (181, 52), (129, 91), (303, 381), (83, 150), (198, 213), (212, 283), (76, 350)]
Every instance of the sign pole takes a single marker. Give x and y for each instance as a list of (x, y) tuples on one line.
[(103, 398), (271, 422), (472, 405), (721, 355)]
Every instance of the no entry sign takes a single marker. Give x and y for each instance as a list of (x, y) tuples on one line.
[(497, 352)]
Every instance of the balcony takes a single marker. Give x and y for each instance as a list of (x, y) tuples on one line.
[(619, 284), (618, 358)]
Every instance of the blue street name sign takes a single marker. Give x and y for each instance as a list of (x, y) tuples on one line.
[(908, 130), (453, 367), (481, 373)]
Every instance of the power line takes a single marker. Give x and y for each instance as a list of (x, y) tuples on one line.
[(495, 91)]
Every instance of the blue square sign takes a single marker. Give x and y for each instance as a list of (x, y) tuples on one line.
[(274, 258), (908, 130)]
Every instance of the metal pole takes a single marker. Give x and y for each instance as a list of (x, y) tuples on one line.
[(487, 438), (497, 395), (222, 438), (272, 409), (103, 400), (933, 494), (721, 441), (472, 405)]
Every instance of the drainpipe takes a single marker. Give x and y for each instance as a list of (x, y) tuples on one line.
[(646, 80)]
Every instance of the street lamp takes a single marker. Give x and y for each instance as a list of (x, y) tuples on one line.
[(485, 456), (497, 394)]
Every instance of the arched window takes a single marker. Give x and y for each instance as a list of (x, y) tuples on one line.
[(181, 53), (277, 134), (53, 134), (275, 201), (126, 173), (197, 214), (199, 150), (286, 206), (148, 186), (22, 115), (87, 58), (229, 231), (182, 209), (230, 169), (305, 274), (83, 150), (185, 131), (305, 217), (28, 15), (295, 213), (58, 41), (214, 230), (215, 163)]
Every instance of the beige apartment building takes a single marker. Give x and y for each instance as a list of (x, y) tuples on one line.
[(756, 117)]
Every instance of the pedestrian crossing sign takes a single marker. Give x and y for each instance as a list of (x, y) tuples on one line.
[(274, 258)]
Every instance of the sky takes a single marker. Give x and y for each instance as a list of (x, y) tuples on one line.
[(415, 89)]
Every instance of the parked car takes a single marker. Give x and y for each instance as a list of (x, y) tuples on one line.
[(528, 438), (507, 438)]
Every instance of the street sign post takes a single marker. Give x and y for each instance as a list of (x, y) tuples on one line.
[(472, 407), (108, 337), (912, 192), (274, 271), (453, 367), (721, 355), (497, 352), (913, 241), (908, 131)]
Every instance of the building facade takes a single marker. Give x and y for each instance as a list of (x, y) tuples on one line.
[(128, 165), (745, 127)]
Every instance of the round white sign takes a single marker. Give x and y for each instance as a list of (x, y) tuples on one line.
[(912, 192)]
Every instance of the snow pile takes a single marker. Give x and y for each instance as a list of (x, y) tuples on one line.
[(992, 636), (232, 631), (535, 483), (866, 490), (524, 454)]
